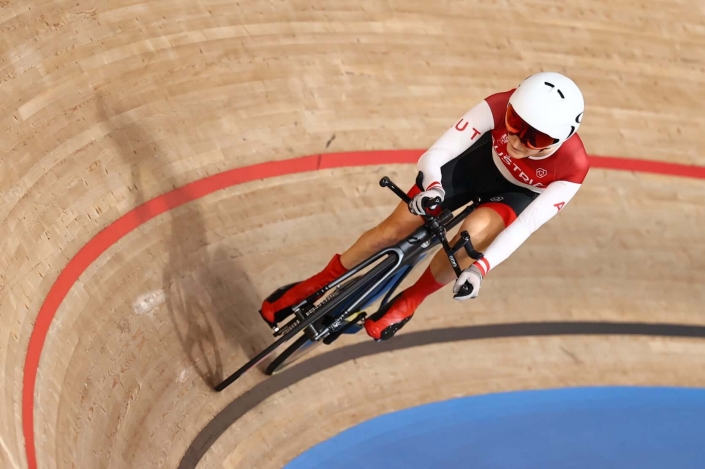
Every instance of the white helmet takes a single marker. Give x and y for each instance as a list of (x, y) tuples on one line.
[(551, 103)]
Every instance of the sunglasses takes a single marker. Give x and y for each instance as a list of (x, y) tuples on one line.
[(529, 136)]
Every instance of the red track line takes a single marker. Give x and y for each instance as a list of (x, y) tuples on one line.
[(195, 190)]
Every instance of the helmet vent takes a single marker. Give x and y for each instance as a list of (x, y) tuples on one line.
[(553, 86)]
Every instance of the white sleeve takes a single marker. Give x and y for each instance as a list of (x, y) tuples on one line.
[(543, 208), (456, 140)]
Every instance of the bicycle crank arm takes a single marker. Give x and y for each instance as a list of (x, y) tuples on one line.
[(334, 336)]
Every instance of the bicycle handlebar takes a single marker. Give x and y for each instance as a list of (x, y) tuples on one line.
[(386, 182), (426, 203), (432, 223), (430, 203)]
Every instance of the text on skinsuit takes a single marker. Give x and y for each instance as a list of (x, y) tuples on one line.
[(507, 160), (463, 124)]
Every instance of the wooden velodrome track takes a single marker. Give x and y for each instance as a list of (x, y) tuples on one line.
[(117, 318)]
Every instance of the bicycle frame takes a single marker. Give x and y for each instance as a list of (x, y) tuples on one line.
[(384, 265)]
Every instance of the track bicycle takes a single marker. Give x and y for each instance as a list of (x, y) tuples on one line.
[(339, 307)]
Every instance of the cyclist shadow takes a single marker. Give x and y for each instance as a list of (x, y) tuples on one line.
[(210, 300)]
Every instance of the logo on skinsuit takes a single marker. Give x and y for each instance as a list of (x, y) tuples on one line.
[(496, 199), (541, 173)]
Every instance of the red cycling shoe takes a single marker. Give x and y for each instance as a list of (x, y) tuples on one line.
[(277, 306), (391, 317)]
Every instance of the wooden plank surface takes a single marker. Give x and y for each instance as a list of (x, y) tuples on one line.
[(108, 105)]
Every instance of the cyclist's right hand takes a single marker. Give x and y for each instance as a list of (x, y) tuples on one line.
[(416, 206)]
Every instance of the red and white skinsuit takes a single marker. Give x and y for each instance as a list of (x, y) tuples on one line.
[(556, 177)]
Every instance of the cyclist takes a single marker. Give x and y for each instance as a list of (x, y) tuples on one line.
[(518, 151)]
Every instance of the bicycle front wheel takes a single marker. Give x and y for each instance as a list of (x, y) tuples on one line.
[(301, 346)]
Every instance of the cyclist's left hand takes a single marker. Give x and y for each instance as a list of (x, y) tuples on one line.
[(471, 275)]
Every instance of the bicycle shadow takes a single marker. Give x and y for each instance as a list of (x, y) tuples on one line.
[(209, 299)]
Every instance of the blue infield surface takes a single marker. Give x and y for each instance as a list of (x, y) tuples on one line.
[(575, 428)]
